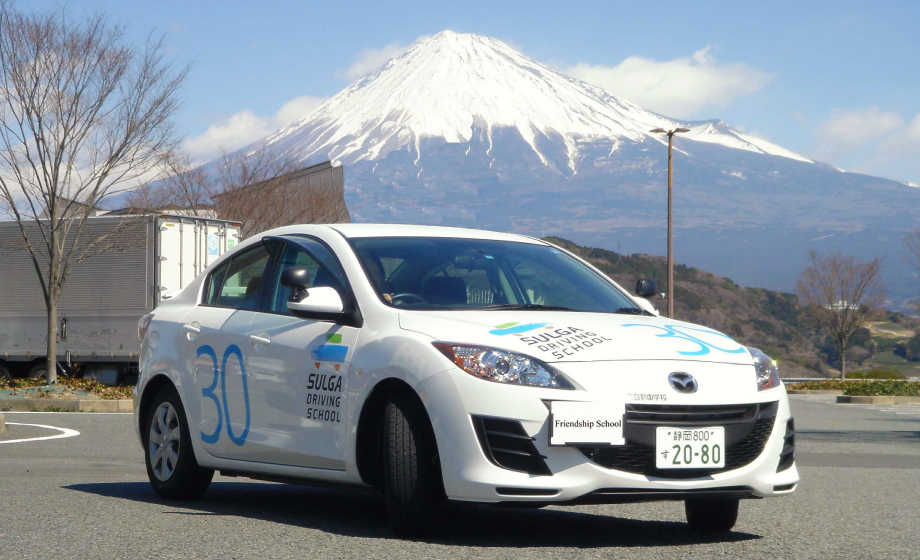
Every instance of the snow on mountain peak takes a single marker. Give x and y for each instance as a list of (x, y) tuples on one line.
[(449, 83)]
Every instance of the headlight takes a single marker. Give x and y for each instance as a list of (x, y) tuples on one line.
[(502, 366), (766, 369)]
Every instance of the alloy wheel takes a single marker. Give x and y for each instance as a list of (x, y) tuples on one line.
[(163, 441)]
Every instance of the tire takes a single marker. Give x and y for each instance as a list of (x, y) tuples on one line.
[(412, 472), (39, 371), (5, 374), (711, 515), (171, 464)]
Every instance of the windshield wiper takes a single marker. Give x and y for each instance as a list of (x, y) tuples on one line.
[(630, 311), (528, 306)]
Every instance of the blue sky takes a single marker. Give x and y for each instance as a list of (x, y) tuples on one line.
[(835, 81)]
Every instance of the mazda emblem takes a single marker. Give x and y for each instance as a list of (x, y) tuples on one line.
[(683, 382)]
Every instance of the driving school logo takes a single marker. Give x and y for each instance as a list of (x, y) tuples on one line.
[(516, 328), (332, 351), (564, 341), (704, 347)]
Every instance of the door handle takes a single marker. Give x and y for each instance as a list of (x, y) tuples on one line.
[(191, 329), (256, 340)]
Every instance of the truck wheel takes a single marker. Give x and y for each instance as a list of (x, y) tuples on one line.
[(412, 472), (711, 515), (39, 371), (171, 465)]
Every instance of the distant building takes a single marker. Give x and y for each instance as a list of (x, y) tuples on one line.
[(209, 212), (312, 195), (840, 306), (74, 209)]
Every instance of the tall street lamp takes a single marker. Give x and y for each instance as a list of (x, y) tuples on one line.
[(670, 134)]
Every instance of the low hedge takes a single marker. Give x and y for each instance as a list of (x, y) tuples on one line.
[(69, 384), (863, 388)]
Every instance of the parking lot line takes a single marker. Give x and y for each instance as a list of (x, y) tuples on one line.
[(65, 433)]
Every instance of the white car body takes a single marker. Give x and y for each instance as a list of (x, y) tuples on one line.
[(307, 382)]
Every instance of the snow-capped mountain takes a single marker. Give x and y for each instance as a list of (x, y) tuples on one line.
[(450, 85), (464, 130)]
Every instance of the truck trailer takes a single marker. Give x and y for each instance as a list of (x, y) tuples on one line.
[(143, 260)]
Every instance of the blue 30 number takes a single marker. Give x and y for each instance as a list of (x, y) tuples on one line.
[(220, 374)]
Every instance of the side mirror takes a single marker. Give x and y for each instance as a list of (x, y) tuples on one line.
[(645, 288), (298, 280), (320, 300)]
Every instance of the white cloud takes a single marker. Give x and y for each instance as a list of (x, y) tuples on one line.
[(871, 141), (245, 127), (676, 88), (371, 59), (848, 130)]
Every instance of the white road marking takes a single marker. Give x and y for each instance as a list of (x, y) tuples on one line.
[(65, 433), (70, 413)]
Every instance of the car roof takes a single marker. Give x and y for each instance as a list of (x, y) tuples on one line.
[(355, 231)]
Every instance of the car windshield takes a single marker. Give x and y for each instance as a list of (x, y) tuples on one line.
[(463, 274)]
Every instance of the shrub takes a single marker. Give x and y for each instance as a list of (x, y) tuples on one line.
[(909, 349), (864, 388)]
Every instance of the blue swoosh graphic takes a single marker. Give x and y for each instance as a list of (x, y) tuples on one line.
[(330, 353), (518, 329)]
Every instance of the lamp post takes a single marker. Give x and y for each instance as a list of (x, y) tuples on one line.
[(670, 134)]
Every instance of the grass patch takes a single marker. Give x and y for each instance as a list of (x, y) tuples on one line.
[(877, 373), (864, 388), (67, 385)]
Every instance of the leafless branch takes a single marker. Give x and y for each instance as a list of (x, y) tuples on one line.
[(82, 114), (843, 294)]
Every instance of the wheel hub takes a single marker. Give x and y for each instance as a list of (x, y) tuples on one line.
[(163, 441)]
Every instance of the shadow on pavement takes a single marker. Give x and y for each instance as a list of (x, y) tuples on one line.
[(363, 514), (860, 436)]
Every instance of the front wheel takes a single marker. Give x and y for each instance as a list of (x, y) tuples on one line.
[(171, 465), (711, 515), (412, 471)]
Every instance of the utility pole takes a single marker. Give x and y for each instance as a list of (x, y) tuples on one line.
[(670, 134)]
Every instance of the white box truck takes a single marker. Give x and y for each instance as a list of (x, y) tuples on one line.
[(147, 258)]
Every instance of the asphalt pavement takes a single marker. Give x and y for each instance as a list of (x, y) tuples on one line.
[(86, 496)]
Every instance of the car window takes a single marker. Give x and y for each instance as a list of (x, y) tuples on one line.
[(212, 291), (240, 286), (458, 274)]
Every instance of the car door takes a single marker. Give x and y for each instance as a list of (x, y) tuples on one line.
[(216, 348), (301, 367)]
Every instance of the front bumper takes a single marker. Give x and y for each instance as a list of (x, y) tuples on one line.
[(456, 401)]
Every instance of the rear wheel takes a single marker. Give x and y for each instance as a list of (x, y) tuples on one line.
[(711, 515), (171, 465), (39, 371), (412, 471)]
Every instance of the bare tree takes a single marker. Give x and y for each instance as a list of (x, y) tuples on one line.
[(844, 293), (83, 115), (262, 189), (912, 245)]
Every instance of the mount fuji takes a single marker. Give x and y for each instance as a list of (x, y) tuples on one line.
[(463, 130)]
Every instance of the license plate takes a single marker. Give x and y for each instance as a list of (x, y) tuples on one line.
[(574, 423), (694, 448)]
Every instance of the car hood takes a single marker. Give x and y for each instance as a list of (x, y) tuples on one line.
[(579, 337)]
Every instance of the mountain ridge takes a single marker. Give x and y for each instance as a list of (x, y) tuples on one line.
[(449, 84), (462, 130)]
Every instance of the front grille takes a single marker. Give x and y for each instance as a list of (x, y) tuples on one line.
[(507, 445), (747, 429)]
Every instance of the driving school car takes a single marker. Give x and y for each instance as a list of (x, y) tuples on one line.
[(439, 363)]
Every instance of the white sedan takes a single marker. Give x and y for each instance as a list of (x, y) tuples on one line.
[(440, 363)]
